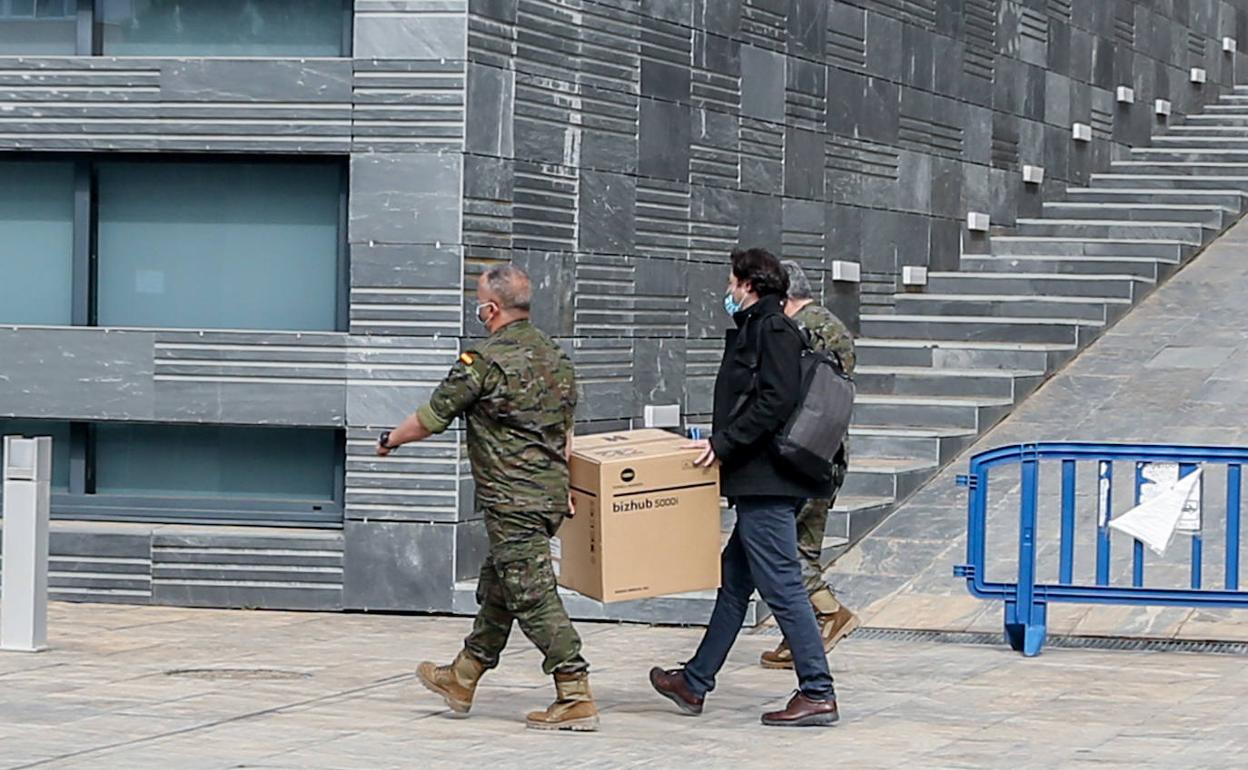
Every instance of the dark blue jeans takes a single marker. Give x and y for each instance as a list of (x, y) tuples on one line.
[(762, 554)]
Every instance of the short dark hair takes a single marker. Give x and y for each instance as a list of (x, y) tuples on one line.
[(762, 270), (511, 285)]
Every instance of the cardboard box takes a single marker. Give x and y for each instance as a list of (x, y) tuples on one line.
[(647, 521)]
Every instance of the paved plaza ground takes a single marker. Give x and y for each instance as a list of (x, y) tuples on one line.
[(305, 690)]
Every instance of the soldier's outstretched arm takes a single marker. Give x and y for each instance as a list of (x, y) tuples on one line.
[(411, 429), (460, 390)]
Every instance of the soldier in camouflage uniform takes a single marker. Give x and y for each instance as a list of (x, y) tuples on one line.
[(516, 392), (827, 333)]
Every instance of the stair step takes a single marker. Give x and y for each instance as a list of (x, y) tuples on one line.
[(937, 444), (1188, 141), (1200, 120), (1009, 245), (929, 381), (961, 354), (971, 413), (1186, 167), (1145, 268), (1200, 152), (1011, 305), (1169, 179), (1037, 284), (1001, 329), (1231, 200), (1209, 130), (894, 477), (855, 503), (1214, 216), (1185, 232), (851, 517), (72, 582), (1226, 127)]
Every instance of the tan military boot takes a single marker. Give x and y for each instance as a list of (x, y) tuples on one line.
[(836, 621), (573, 708), (456, 683)]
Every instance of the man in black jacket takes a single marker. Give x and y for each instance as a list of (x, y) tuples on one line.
[(756, 391)]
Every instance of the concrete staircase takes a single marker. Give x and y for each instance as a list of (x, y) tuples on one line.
[(952, 360)]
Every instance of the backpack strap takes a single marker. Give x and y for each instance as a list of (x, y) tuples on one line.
[(803, 335)]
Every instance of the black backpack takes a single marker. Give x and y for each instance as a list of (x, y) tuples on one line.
[(815, 431)]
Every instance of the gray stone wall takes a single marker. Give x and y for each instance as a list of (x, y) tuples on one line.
[(621, 148)]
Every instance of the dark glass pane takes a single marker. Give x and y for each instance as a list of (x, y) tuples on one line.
[(215, 461), (219, 245), (223, 27), (36, 242)]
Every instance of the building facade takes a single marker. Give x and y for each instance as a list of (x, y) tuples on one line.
[(238, 238)]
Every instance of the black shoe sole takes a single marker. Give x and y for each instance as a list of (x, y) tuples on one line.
[(692, 711), (812, 720)]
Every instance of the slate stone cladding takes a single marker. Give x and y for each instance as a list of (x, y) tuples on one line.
[(617, 149)]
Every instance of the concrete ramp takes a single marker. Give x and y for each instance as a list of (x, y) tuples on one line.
[(1175, 370)]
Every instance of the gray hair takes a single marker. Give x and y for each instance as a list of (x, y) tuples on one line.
[(510, 285), (799, 284)]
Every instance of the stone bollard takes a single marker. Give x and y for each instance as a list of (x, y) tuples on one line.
[(24, 581)]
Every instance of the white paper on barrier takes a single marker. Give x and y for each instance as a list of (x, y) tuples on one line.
[(1153, 522), (1159, 477)]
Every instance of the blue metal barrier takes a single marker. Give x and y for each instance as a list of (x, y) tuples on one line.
[(1026, 600)]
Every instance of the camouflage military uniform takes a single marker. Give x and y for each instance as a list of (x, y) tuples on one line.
[(826, 333), (517, 393)]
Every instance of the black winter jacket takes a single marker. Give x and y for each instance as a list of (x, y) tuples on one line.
[(743, 442)]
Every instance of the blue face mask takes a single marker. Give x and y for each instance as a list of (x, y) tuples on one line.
[(731, 304)]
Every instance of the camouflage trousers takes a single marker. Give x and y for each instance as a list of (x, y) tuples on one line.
[(517, 583), (812, 523)]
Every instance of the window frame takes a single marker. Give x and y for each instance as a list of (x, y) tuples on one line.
[(85, 288), (81, 503)]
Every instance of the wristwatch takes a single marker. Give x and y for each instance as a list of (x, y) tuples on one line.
[(384, 441)]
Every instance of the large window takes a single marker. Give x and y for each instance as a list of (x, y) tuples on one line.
[(217, 473), (222, 27), (218, 246), (195, 244), (35, 27), (36, 242), (192, 28)]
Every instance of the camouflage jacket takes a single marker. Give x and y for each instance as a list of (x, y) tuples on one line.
[(827, 333), (516, 391)]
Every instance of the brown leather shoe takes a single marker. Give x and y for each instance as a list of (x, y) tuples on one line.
[(671, 684), (804, 712)]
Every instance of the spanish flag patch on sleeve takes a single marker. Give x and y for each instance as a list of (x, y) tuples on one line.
[(467, 359)]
